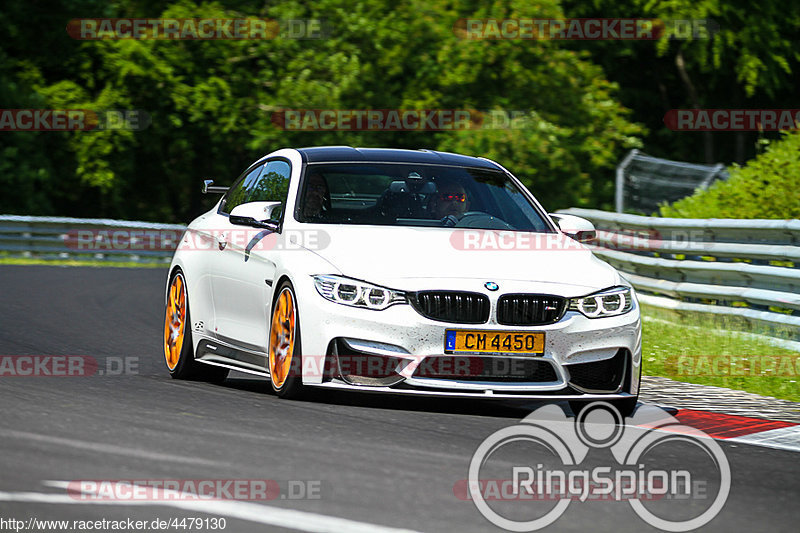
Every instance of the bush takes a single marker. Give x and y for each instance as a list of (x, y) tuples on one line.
[(766, 187)]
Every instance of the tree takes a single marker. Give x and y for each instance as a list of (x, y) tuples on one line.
[(749, 60), (766, 187), (211, 102)]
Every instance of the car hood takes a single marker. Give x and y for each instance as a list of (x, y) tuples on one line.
[(400, 257)]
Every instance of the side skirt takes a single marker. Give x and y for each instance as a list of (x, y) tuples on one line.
[(217, 354)]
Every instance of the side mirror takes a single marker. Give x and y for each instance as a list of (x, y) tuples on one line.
[(257, 214), (576, 228), (209, 188)]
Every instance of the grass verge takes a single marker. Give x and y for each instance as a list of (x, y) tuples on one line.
[(73, 263), (701, 350)]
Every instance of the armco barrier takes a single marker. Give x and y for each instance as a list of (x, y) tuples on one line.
[(88, 239), (749, 269), (744, 268)]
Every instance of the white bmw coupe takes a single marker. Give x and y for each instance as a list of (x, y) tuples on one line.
[(402, 272)]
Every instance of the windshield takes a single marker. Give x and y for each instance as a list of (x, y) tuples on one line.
[(387, 194)]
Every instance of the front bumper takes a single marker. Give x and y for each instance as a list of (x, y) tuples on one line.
[(588, 359), (488, 394)]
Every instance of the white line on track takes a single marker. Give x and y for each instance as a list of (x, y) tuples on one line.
[(99, 447), (251, 512), (787, 438)]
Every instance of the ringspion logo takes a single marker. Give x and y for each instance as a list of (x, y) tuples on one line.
[(656, 469)]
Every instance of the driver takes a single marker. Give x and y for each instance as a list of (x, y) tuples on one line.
[(451, 200)]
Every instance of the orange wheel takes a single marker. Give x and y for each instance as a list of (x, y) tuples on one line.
[(178, 345), (175, 322), (284, 344)]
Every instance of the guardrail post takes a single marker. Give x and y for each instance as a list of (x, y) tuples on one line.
[(619, 192)]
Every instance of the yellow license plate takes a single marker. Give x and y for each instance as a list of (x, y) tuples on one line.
[(489, 342)]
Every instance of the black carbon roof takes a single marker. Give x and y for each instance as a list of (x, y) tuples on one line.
[(330, 154)]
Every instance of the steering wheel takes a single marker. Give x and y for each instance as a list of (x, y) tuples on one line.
[(453, 220), (449, 221), (479, 219)]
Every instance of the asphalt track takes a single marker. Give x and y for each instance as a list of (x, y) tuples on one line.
[(382, 463)]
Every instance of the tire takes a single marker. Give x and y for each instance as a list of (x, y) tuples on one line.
[(178, 338), (625, 407), (285, 353)]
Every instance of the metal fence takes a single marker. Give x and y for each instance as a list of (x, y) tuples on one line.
[(749, 269), (645, 182), (88, 239)]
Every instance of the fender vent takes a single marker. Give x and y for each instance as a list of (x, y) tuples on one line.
[(603, 376)]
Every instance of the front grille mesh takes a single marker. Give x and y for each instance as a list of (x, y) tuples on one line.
[(493, 369), (530, 309), (450, 306)]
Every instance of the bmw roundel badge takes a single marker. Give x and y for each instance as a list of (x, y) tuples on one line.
[(491, 285)]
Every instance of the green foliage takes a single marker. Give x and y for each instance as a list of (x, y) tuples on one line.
[(272, 187), (760, 50), (211, 102), (767, 187), (749, 60)]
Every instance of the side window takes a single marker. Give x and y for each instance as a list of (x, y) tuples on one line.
[(273, 185), (238, 193)]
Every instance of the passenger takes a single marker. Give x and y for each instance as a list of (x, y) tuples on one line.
[(317, 198)]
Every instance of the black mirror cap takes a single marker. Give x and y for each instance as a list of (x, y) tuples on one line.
[(271, 225), (209, 188)]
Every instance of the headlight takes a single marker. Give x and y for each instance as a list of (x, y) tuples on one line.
[(357, 293), (610, 302)]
